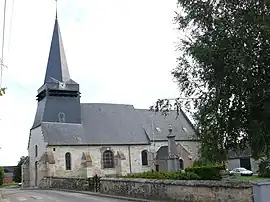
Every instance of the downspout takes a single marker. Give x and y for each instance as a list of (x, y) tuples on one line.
[(129, 159)]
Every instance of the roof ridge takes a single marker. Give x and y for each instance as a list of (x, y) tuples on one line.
[(103, 103)]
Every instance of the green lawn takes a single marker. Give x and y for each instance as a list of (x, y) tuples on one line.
[(251, 178)]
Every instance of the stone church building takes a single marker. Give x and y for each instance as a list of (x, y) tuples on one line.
[(73, 139)]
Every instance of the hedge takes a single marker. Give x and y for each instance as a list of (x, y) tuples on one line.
[(2, 175), (162, 175), (208, 172)]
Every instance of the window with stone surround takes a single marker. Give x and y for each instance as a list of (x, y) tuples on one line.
[(108, 159), (68, 161), (36, 151), (144, 158)]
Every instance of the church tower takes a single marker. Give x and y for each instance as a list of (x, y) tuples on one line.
[(59, 96)]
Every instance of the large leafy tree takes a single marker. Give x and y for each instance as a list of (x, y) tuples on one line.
[(17, 174), (224, 70)]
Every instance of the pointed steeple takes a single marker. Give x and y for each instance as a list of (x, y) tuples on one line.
[(57, 68)]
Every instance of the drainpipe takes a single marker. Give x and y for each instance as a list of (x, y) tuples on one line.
[(129, 159)]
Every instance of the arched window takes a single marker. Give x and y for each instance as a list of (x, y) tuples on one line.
[(68, 161), (144, 158), (36, 151), (62, 117), (108, 159)]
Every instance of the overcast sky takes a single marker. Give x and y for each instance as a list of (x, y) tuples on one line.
[(119, 51)]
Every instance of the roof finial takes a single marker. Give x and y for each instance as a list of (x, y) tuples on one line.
[(56, 9)]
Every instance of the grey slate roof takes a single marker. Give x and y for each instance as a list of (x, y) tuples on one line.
[(182, 128), (115, 124), (112, 124), (57, 64), (63, 133)]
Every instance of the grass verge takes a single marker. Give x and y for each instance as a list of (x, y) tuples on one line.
[(10, 185), (251, 178)]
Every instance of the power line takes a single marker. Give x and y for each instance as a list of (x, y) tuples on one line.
[(3, 42)]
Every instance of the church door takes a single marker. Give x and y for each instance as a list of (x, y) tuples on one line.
[(36, 174)]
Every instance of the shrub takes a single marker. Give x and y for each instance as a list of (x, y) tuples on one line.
[(264, 168), (2, 174), (163, 175), (201, 162), (209, 172)]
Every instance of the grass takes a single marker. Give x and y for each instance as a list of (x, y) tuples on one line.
[(9, 185), (251, 178)]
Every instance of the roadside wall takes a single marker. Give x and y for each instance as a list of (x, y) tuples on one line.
[(179, 190), (162, 190)]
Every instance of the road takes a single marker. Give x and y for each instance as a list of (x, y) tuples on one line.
[(17, 195)]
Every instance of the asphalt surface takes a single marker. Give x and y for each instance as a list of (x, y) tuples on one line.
[(17, 195)]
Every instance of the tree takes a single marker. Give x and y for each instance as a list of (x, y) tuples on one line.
[(2, 175), (2, 91), (225, 72), (17, 174)]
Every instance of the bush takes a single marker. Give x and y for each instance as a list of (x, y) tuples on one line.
[(163, 175), (209, 172), (264, 168), (201, 162), (2, 174)]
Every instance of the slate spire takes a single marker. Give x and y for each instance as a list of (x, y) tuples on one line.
[(57, 68)]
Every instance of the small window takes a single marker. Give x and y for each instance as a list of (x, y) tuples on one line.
[(185, 129), (68, 161), (144, 158), (108, 159), (158, 129), (36, 151), (62, 117)]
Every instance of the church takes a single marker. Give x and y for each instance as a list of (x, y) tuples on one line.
[(73, 139)]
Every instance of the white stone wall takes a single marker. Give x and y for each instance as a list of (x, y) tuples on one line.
[(36, 138), (131, 164), (132, 155), (233, 163)]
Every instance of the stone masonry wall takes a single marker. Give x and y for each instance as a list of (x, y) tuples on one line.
[(132, 155), (161, 190), (36, 138), (79, 184), (180, 190)]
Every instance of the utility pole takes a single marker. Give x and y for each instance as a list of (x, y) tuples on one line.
[(2, 45)]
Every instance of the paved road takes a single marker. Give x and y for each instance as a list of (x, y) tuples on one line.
[(17, 195)]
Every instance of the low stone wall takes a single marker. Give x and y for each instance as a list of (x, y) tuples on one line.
[(80, 184), (179, 190), (162, 190), (64, 183)]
